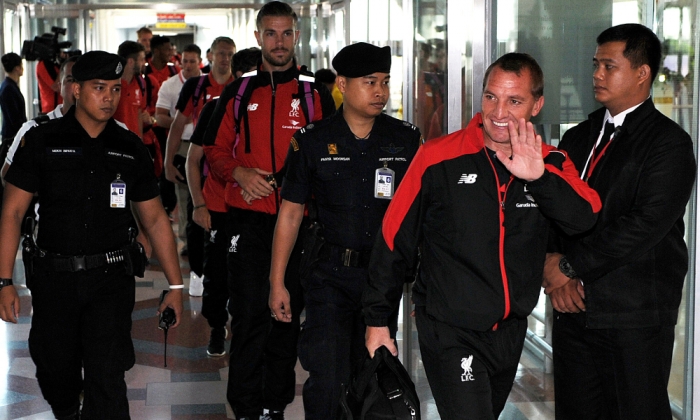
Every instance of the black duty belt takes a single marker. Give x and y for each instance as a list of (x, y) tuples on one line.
[(345, 256), (82, 262)]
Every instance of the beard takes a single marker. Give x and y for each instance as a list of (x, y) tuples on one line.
[(278, 61)]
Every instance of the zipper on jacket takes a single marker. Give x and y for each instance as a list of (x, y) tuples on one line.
[(502, 191), (272, 141)]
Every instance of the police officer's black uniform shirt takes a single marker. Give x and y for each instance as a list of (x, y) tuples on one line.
[(72, 173), (327, 160)]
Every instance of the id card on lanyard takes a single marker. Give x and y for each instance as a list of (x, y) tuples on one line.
[(384, 180), (117, 194)]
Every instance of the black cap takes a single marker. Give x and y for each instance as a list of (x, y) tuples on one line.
[(98, 65), (361, 59)]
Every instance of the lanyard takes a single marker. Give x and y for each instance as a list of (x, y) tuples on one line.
[(595, 159)]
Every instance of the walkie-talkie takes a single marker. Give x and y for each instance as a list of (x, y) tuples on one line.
[(166, 319)]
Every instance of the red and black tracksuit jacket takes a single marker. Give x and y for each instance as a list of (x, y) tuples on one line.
[(272, 115), (482, 241)]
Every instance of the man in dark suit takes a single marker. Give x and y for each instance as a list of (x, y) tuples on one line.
[(616, 290)]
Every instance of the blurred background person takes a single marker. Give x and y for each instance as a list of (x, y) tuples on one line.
[(327, 77)]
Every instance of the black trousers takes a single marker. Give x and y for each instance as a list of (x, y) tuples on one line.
[(215, 296), (4, 148), (167, 188), (167, 193), (610, 374), (195, 241), (83, 321), (332, 339), (263, 352), (470, 372)]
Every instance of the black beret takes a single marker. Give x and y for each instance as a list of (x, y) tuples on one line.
[(98, 65), (361, 59)]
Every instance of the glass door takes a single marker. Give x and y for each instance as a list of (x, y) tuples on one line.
[(561, 35)]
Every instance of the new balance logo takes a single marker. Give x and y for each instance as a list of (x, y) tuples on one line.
[(467, 179), (234, 244), (252, 107)]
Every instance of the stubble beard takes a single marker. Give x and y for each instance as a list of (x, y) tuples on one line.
[(278, 62)]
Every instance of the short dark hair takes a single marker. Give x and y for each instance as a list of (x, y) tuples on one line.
[(275, 8), (192, 48), (246, 59), (222, 40), (10, 61), (143, 30), (642, 46), (130, 49), (515, 63), (325, 76), (158, 41), (71, 59)]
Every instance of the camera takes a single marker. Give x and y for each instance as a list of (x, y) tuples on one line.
[(47, 48), (167, 317)]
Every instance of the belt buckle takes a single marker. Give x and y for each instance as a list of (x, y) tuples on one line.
[(78, 263), (347, 257)]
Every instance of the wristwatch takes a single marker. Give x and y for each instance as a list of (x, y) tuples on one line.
[(566, 268), (5, 282)]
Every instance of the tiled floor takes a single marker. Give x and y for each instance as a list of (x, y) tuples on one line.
[(193, 386)]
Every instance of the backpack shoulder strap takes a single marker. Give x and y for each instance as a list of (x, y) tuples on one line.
[(306, 93), (198, 89), (142, 83), (243, 95), (149, 89), (240, 104)]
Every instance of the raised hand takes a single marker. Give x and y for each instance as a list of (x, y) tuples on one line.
[(525, 161)]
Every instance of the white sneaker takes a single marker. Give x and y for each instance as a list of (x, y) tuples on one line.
[(196, 284)]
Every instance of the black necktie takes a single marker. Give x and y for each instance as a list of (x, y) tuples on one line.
[(607, 132)]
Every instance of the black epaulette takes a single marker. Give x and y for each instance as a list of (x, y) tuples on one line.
[(405, 125), (316, 124), (402, 123)]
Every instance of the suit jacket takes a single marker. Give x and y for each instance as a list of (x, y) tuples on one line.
[(12, 106), (634, 261)]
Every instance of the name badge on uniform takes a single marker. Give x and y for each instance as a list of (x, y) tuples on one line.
[(384, 183), (117, 193)]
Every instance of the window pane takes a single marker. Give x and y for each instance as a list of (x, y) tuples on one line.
[(430, 67)]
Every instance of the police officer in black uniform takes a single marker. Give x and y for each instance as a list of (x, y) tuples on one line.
[(89, 173), (351, 165)]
